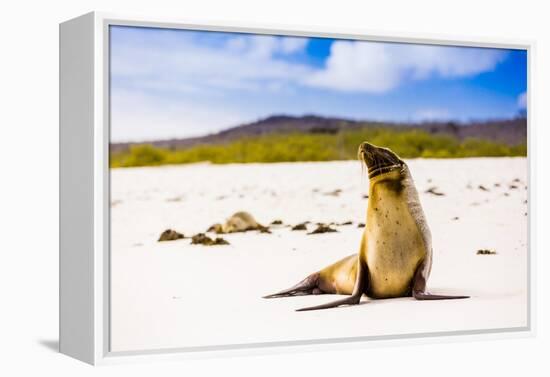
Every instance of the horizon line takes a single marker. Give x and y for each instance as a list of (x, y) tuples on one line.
[(459, 122)]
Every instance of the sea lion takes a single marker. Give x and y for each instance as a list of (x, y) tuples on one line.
[(395, 254), (238, 222)]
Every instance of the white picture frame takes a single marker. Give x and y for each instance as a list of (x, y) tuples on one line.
[(84, 191)]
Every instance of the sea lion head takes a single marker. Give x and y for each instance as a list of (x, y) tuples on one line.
[(380, 161)]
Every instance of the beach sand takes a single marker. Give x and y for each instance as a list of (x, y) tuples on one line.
[(173, 294)]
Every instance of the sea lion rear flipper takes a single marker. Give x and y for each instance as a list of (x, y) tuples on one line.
[(351, 300), (358, 289), (429, 296), (419, 286), (307, 286)]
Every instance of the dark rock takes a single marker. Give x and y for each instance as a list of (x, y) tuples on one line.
[(170, 235), (262, 229), (323, 228), (203, 239), (200, 238), (486, 252), (301, 226), (220, 241), (333, 193)]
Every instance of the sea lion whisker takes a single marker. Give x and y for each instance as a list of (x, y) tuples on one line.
[(384, 169)]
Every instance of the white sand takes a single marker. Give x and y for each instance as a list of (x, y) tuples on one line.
[(173, 294)]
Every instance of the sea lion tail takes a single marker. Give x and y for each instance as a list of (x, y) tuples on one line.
[(305, 287)]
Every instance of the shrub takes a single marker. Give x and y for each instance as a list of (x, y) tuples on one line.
[(316, 147)]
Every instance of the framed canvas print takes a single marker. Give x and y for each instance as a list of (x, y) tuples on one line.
[(235, 189)]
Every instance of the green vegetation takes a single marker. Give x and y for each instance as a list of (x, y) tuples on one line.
[(316, 147)]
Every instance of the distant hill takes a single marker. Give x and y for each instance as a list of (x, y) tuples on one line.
[(507, 131)]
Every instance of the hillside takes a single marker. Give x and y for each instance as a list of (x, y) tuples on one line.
[(507, 131), (290, 139)]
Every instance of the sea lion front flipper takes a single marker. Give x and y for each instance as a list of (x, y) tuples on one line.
[(419, 286), (358, 289)]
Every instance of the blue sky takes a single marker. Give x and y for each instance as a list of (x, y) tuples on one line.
[(176, 83)]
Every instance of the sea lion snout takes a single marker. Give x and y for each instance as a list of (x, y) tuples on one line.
[(365, 146), (378, 160)]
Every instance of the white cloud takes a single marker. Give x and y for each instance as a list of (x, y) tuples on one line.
[(289, 45), (261, 47), (265, 46), (243, 62), (379, 67), (522, 101), (355, 66)]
